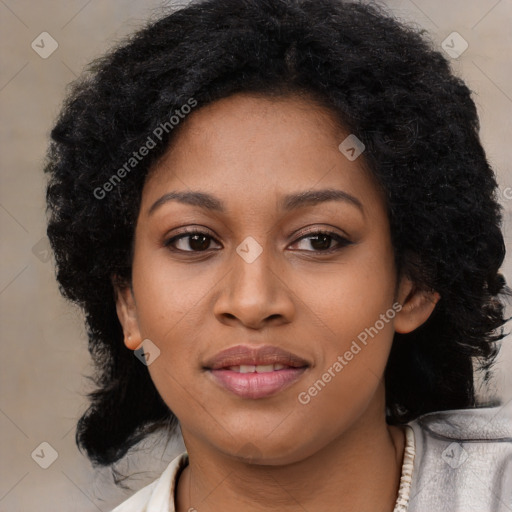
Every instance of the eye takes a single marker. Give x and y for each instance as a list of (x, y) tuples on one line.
[(321, 241), (197, 241)]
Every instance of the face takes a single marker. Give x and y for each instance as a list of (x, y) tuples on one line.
[(266, 259)]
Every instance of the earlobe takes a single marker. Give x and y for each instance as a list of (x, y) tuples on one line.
[(417, 306), (127, 314)]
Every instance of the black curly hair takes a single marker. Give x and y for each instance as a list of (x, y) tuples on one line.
[(384, 81)]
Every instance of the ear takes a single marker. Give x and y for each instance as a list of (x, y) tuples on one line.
[(417, 306), (127, 314)]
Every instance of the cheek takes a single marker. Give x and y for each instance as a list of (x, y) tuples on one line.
[(354, 344), (169, 314), (345, 298), (169, 295), (354, 339), (350, 318)]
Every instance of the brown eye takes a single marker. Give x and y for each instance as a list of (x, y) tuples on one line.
[(322, 241), (199, 242), (190, 242)]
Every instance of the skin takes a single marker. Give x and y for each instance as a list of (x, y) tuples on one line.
[(272, 454)]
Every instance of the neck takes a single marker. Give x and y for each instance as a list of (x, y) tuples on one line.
[(359, 470)]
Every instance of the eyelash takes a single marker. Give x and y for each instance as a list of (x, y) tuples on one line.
[(342, 241)]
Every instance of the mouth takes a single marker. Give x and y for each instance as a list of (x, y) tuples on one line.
[(260, 368), (255, 373)]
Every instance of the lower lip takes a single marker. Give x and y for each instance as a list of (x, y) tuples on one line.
[(257, 385)]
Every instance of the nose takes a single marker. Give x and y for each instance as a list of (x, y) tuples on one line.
[(255, 294)]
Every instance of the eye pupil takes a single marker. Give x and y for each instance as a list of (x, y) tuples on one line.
[(325, 241), (203, 244)]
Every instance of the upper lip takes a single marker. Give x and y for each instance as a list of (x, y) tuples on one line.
[(244, 355)]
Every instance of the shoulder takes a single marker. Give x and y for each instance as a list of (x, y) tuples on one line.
[(463, 460), (156, 496)]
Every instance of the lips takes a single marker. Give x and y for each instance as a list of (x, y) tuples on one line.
[(255, 373), (244, 357)]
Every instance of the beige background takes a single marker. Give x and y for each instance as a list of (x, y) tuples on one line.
[(44, 345)]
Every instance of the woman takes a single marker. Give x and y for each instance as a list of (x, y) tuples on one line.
[(282, 228)]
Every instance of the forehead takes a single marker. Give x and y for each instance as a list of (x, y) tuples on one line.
[(254, 148)]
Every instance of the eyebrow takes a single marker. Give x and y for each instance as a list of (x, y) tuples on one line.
[(288, 202)]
